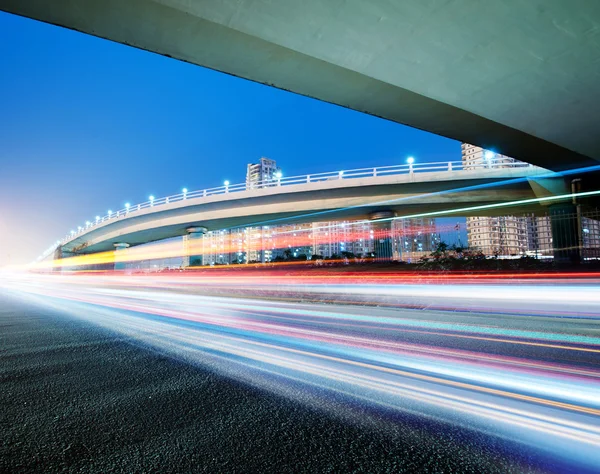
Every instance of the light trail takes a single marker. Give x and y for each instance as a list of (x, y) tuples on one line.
[(517, 360)]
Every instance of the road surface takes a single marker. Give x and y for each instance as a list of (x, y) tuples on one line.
[(105, 373)]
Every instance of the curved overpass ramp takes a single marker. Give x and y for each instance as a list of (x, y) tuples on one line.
[(332, 199)]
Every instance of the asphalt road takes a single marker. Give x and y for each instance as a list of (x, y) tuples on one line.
[(89, 385)]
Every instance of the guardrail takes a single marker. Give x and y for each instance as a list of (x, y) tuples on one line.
[(450, 166)]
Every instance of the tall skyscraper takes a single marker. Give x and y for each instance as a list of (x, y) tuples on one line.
[(261, 174)]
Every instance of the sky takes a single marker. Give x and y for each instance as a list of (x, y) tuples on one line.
[(87, 125)]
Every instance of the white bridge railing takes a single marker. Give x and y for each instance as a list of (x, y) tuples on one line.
[(451, 166)]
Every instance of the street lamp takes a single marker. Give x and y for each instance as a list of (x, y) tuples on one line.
[(151, 197), (184, 191), (97, 219), (410, 160), (226, 183), (127, 206), (489, 156), (88, 223), (278, 176), (109, 213)]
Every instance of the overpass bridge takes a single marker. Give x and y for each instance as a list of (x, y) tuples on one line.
[(350, 194), (522, 77)]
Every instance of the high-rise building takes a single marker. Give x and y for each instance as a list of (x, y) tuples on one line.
[(413, 238), (217, 247), (476, 157), (344, 237), (261, 174), (499, 235), (539, 236), (504, 235)]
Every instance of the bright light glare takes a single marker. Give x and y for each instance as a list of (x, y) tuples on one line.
[(127, 205), (410, 160), (489, 154), (151, 197), (184, 190), (226, 183)]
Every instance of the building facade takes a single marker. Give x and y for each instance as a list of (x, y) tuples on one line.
[(414, 238), (499, 236), (262, 174)]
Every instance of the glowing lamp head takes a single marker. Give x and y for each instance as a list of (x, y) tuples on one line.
[(226, 183), (151, 197), (87, 223), (184, 190), (127, 205), (72, 232), (410, 160), (489, 154), (278, 175), (109, 212), (97, 218)]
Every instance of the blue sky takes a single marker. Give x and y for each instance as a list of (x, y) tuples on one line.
[(86, 125)]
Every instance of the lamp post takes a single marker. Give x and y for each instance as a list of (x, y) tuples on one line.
[(489, 156), (226, 183), (410, 160)]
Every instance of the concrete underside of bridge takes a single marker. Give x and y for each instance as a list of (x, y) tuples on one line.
[(275, 206), (522, 77)]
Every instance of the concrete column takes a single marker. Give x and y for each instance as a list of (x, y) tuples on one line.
[(565, 232), (120, 260), (195, 249), (382, 235), (565, 217)]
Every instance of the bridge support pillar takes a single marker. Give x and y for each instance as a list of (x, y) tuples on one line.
[(194, 247), (565, 217), (566, 232), (382, 235), (120, 260)]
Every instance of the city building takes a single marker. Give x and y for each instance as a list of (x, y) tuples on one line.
[(413, 238), (262, 174), (476, 157), (499, 236), (520, 235), (216, 248)]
